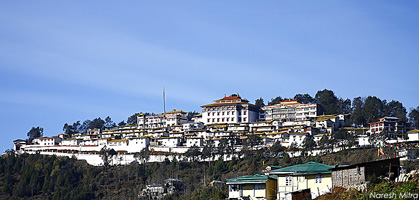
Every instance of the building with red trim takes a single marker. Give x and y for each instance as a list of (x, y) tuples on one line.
[(387, 124), (231, 109)]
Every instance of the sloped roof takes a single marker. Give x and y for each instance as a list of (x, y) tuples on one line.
[(413, 131), (257, 178), (306, 168), (176, 111)]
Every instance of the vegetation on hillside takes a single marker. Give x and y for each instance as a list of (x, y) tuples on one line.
[(50, 177), (377, 190)]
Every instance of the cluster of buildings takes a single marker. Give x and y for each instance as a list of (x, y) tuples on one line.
[(309, 180), (231, 118)]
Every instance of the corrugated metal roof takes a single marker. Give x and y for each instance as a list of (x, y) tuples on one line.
[(257, 178), (306, 168)]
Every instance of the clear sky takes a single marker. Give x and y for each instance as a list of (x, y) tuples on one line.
[(61, 61)]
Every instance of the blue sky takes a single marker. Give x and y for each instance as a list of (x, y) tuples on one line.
[(66, 61)]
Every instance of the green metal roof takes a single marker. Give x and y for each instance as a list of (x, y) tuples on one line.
[(257, 178), (306, 168)]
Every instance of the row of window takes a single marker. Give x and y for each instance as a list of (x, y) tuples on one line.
[(288, 179), (224, 113), (376, 129), (226, 119), (236, 188), (374, 125)]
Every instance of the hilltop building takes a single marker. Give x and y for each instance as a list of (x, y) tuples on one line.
[(172, 118), (231, 109), (387, 124), (289, 110)]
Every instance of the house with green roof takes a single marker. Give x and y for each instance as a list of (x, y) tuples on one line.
[(253, 187), (311, 175)]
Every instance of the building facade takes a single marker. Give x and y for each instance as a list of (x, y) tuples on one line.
[(232, 109), (357, 174), (252, 187), (311, 175), (387, 124), (289, 110)]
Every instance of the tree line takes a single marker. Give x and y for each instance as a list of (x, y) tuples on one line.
[(363, 110)]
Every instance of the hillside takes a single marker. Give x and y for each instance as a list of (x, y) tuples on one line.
[(50, 177), (405, 190)]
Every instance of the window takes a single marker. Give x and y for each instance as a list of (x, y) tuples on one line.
[(244, 112), (235, 188), (222, 113), (318, 178), (218, 120), (228, 112), (228, 119), (208, 120), (232, 112), (300, 178), (218, 113), (288, 181), (244, 119), (258, 187)]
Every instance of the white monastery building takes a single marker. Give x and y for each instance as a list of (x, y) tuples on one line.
[(290, 110), (232, 109)]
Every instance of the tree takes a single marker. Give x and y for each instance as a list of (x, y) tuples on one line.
[(304, 98), (97, 123), (35, 133), (328, 101), (276, 149), (309, 144), (246, 151), (222, 145), (253, 141), (325, 142), (122, 123), (190, 115), (344, 106), (357, 116), (287, 158), (107, 154), (143, 156), (293, 147), (109, 123), (193, 153), (373, 109), (343, 139), (85, 126), (414, 117), (395, 109), (259, 102), (132, 120), (71, 129), (208, 150), (276, 100)]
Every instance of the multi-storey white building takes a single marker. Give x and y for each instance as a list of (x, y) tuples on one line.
[(232, 109), (152, 121), (172, 118), (176, 117), (47, 141), (387, 124), (289, 110)]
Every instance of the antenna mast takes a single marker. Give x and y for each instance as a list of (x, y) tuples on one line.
[(164, 101)]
